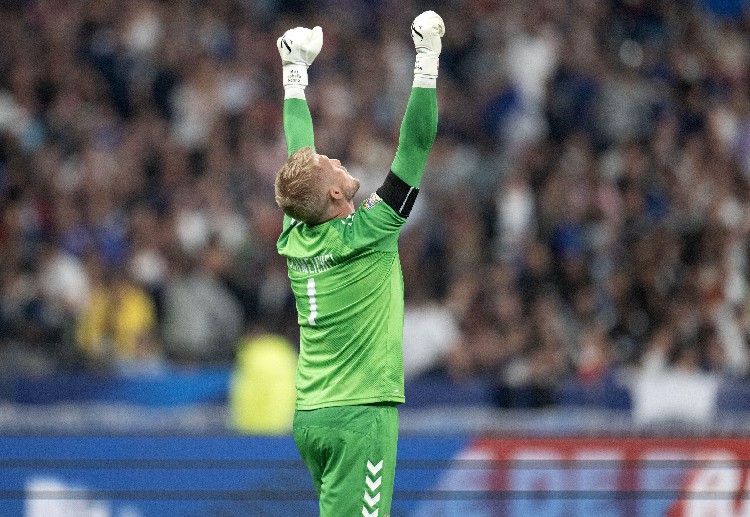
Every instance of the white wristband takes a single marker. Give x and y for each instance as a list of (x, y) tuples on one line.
[(294, 92), (295, 75), (425, 71), (426, 65), (424, 81)]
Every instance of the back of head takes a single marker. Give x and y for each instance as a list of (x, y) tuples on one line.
[(300, 189)]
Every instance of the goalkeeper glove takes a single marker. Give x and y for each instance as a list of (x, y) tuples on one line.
[(426, 31), (298, 48)]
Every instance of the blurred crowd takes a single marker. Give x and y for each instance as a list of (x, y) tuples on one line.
[(585, 206)]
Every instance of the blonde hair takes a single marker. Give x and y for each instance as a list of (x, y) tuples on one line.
[(299, 187)]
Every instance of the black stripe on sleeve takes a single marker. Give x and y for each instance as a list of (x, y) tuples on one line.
[(398, 194)]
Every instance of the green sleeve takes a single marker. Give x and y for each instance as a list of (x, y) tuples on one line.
[(373, 225), (298, 126), (418, 130)]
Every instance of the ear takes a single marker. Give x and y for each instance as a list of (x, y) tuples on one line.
[(335, 193)]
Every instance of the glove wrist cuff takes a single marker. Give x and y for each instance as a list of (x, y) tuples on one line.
[(424, 81), (295, 75), (426, 65), (294, 91)]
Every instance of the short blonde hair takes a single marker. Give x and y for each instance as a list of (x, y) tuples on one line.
[(299, 187)]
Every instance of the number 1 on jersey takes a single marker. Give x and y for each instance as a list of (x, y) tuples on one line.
[(313, 303)]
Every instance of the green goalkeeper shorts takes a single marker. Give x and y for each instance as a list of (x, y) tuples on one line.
[(351, 453)]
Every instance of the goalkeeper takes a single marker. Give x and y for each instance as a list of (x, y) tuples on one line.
[(345, 273)]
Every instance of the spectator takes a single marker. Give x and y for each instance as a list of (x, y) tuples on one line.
[(116, 327), (262, 392), (202, 320), (430, 332), (607, 151)]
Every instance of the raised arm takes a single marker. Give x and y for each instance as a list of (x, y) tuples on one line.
[(419, 125), (418, 129), (298, 126), (298, 48)]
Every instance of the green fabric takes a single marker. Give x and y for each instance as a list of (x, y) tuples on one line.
[(418, 130), (346, 279), (298, 126), (343, 448)]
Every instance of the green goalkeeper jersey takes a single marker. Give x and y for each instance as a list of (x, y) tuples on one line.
[(346, 274), (346, 279)]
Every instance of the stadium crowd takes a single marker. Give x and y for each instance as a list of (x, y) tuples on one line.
[(585, 207)]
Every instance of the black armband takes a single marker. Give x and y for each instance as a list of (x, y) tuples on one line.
[(398, 194)]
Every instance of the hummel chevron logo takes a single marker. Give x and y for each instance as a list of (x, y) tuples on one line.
[(374, 468), (372, 501), (373, 485)]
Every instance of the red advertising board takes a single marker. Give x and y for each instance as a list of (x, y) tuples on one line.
[(598, 477)]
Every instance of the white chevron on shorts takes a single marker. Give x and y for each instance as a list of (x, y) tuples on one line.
[(373, 484), (372, 501), (374, 468), (372, 497)]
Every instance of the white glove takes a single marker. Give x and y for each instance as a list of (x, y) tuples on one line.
[(298, 48), (426, 31)]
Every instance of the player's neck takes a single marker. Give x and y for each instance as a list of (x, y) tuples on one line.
[(339, 208)]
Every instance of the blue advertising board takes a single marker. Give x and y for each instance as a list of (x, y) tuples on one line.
[(450, 476), (164, 476)]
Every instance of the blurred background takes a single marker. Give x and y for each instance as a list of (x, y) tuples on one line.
[(577, 262)]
